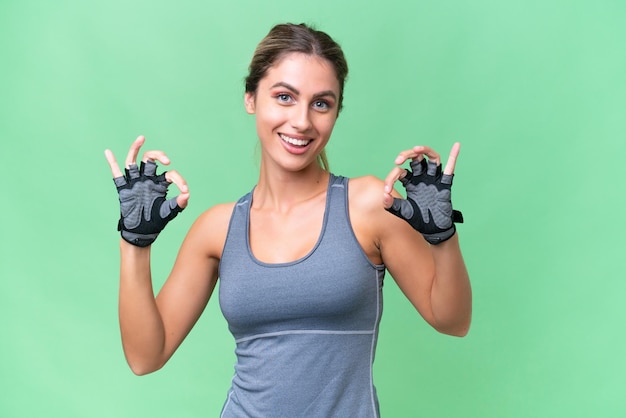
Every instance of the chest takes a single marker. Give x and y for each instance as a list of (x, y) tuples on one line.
[(276, 282), (332, 288), (285, 237)]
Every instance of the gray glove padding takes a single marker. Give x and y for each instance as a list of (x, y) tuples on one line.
[(144, 210), (428, 206)]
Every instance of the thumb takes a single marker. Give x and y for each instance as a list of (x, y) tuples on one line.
[(401, 208), (183, 200)]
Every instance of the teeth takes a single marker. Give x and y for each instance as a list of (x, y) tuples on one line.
[(294, 141)]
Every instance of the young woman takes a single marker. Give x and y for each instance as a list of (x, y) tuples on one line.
[(301, 258)]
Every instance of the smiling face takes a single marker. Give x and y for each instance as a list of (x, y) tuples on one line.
[(296, 106)]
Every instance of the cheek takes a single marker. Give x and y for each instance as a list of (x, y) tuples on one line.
[(269, 118), (326, 126)]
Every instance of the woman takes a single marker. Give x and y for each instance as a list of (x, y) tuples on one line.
[(301, 258)]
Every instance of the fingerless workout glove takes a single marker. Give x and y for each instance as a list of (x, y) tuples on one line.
[(144, 210), (428, 206)]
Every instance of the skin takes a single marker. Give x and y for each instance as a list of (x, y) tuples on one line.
[(297, 99)]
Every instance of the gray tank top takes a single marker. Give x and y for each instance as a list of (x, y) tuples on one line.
[(305, 331)]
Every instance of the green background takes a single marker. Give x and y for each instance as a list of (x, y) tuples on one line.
[(534, 90)]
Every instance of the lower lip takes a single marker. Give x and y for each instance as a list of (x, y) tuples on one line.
[(294, 149)]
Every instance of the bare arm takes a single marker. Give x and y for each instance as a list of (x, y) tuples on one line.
[(452, 293), (442, 291), (141, 326), (433, 277), (152, 328)]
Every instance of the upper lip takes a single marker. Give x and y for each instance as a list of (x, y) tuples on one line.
[(296, 136)]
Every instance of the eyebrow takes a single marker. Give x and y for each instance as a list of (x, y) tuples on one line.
[(296, 91)]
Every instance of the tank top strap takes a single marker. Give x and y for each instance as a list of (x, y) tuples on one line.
[(337, 206)]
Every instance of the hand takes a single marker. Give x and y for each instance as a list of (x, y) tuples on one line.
[(144, 210), (428, 206)]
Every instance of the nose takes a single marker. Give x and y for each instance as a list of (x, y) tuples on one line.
[(301, 118)]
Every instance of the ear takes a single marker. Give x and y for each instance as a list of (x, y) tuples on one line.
[(248, 101)]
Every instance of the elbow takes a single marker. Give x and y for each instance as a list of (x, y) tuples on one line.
[(141, 361), (453, 322), (459, 329), (142, 368), (460, 332), (454, 332)]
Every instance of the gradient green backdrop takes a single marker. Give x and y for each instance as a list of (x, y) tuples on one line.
[(534, 90)]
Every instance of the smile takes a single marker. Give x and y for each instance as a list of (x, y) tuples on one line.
[(295, 141)]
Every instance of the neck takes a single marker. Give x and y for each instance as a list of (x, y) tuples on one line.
[(282, 190)]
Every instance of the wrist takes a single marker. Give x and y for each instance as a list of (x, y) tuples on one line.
[(450, 244), (440, 237), (138, 240), (128, 247)]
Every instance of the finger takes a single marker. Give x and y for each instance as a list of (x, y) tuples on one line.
[(131, 157), (182, 200), (417, 153), (148, 168), (420, 165), (133, 172), (410, 154), (387, 200), (115, 168), (394, 175), (401, 208), (173, 176), (429, 152), (454, 153), (155, 156), (391, 198)]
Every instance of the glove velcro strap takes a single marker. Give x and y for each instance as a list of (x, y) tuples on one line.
[(440, 237), (139, 240)]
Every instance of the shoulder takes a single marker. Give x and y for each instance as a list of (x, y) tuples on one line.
[(365, 182), (217, 213), (366, 193), (367, 214), (367, 211), (210, 229)]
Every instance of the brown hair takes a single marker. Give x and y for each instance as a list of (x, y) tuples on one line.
[(287, 38)]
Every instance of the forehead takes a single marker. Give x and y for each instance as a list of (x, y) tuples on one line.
[(305, 72)]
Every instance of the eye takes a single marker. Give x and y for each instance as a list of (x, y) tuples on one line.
[(283, 98), (322, 105)]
